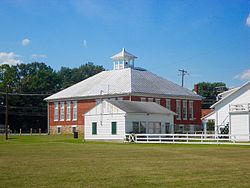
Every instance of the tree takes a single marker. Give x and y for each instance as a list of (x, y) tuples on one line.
[(210, 91), (68, 77), (31, 111)]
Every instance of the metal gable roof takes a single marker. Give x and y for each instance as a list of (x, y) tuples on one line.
[(141, 107), (123, 81), (147, 82)]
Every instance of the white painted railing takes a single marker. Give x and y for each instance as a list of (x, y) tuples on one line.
[(239, 107), (189, 138)]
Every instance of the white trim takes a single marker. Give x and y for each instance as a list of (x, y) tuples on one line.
[(62, 106), (218, 102), (178, 114), (186, 110), (56, 104), (68, 113), (158, 101), (168, 103), (74, 113), (199, 98), (189, 110)]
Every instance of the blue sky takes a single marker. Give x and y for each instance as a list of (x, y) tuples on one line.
[(208, 38)]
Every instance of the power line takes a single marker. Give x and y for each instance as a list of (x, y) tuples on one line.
[(27, 94), (183, 73)]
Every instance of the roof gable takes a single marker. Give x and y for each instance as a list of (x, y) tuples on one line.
[(233, 94)]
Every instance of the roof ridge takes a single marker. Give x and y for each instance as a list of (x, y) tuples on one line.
[(233, 92)]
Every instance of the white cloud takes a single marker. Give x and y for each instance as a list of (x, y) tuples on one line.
[(9, 58), (38, 56), (245, 75), (248, 20), (25, 42), (85, 43)]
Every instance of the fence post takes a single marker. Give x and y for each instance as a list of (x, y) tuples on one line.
[(20, 131), (40, 131), (30, 131)]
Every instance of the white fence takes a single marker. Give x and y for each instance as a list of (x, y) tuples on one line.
[(189, 138)]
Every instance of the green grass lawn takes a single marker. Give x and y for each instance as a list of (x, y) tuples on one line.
[(61, 161)]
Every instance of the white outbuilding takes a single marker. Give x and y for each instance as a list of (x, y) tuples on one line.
[(113, 119), (232, 112)]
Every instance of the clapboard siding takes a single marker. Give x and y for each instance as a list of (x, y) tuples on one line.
[(104, 126), (240, 122), (222, 108)]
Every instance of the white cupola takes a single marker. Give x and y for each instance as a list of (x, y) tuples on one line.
[(123, 60)]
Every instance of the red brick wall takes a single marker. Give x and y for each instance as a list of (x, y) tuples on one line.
[(84, 106)]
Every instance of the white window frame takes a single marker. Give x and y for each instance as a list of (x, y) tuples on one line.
[(191, 110), (168, 104), (150, 99), (68, 110), (73, 126), (178, 109), (74, 116), (184, 109), (56, 113), (158, 101), (62, 111), (59, 126)]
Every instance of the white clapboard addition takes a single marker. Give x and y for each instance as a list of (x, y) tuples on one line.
[(113, 119), (232, 111), (240, 121)]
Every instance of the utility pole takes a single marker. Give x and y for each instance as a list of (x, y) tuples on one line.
[(6, 114), (183, 73)]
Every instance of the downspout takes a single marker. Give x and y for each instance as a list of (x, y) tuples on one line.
[(48, 128)]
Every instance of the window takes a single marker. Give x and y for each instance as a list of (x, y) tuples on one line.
[(59, 129), (142, 127), (143, 99), (98, 101), (150, 99), (184, 109), (113, 128), (191, 110), (158, 101), (68, 111), (74, 110), (94, 128), (56, 111), (135, 127), (120, 98), (168, 128), (139, 127), (61, 111), (168, 104), (73, 128), (178, 109), (154, 127)]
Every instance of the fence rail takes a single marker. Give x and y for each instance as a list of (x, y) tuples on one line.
[(243, 139)]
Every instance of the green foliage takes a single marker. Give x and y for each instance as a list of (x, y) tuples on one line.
[(209, 91), (68, 77), (31, 112)]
